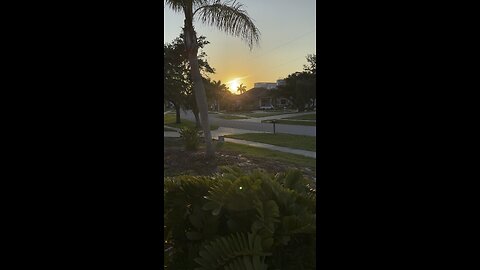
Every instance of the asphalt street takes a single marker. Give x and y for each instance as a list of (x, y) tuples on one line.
[(256, 125)]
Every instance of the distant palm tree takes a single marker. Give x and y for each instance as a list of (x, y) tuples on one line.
[(220, 89), (241, 88), (229, 17)]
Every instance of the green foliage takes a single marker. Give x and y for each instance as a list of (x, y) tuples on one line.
[(301, 87), (238, 220), (178, 84), (190, 137), (237, 251), (312, 64)]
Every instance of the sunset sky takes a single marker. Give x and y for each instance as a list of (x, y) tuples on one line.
[(287, 35)]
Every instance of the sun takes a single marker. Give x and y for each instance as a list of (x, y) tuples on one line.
[(233, 85)]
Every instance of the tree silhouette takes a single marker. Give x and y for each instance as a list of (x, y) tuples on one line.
[(228, 17), (178, 85), (241, 88)]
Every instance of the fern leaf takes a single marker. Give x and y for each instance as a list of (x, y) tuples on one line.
[(237, 251)]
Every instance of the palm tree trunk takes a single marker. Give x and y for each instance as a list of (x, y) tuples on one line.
[(177, 113), (192, 50), (197, 118)]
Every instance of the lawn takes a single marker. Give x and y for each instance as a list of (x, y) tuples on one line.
[(292, 122), (177, 161), (169, 120), (287, 140), (269, 154), (304, 117), (230, 117), (258, 115), (236, 112)]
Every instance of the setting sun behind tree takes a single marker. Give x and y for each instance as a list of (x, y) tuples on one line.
[(241, 89), (233, 85)]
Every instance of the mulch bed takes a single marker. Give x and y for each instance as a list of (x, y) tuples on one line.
[(178, 161)]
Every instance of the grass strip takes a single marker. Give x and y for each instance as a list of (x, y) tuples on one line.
[(304, 117), (292, 122), (280, 139), (230, 117), (258, 115), (170, 119)]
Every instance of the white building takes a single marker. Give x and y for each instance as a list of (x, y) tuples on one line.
[(266, 85), (281, 83)]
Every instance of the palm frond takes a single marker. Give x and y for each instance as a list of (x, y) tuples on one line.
[(231, 18), (180, 5), (235, 251), (175, 5)]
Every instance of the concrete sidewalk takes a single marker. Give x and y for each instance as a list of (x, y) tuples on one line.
[(222, 131), (275, 148), (280, 116)]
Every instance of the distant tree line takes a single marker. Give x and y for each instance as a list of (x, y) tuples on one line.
[(301, 87), (178, 83)]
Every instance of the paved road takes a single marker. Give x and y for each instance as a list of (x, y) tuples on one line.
[(260, 119), (238, 126), (256, 125)]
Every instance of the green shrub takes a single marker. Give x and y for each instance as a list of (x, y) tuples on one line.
[(190, 137), (237, 220)]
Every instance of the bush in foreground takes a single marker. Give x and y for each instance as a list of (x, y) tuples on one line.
[(190, 137), (238, 220)]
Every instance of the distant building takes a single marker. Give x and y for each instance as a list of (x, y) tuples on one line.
[(281, 83), (270, 85), (266, 85), (262, 98), (263, 95)]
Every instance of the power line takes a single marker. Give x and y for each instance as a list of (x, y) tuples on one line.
[(288, 42), (275, 48), (290, 61), (281, 45)]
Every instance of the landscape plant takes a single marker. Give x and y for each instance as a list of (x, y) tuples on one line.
[(239, 220), (190, 137)]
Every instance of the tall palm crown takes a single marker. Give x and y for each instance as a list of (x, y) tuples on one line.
[(229, 17), (242, 88)]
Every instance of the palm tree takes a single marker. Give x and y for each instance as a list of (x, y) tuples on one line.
[(219, 90), (229, 17), (241, 88)]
